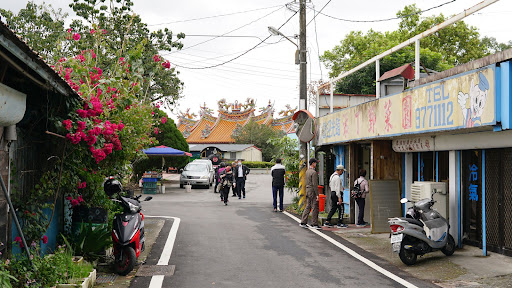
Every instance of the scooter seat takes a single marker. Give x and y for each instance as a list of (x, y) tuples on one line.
[(413, 221)]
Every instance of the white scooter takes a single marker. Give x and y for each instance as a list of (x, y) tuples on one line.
[(423, 230)]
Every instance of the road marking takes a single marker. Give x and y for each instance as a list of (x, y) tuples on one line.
[(358, 256), (158, 280)]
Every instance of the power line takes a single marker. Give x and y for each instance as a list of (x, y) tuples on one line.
[(318, 47), (314, 17), (387, 19), (214, 16), (233, 59), (233, 30)]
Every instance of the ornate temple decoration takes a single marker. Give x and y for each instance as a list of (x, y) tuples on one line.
[(206, 131), (187, 131), (238, 130), (288, 111), (231, 119)]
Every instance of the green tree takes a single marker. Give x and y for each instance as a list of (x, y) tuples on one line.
[(123, 34), (287, 149), (168, 135), (254, 133), (453, 45)]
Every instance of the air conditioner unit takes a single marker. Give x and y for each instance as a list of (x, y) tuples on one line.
[(421, 190)]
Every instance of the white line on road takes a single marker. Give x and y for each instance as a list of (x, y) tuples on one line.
[(358, 256), (158, 280)]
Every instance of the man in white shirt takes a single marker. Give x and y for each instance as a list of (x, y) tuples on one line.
[(336, 197), (241, 175)]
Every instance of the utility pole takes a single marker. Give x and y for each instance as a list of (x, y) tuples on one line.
[(303, 97), (303, 102)]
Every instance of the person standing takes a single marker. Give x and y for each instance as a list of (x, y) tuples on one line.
[(226, 182), (233, 169), (241, 176), (365, 189), (311, 197), (336, 197), (220, 169), (278, 171)]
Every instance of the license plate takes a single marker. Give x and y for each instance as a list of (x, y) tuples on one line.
[(397, 238), (396, 246)]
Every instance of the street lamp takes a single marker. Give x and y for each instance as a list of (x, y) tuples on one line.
[(276, 32)]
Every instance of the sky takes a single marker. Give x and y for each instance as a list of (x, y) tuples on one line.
[(268, 72)]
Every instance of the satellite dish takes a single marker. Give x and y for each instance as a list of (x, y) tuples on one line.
[(305, 125)]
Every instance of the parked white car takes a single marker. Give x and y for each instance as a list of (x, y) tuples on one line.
[(210, 167), (196, 173)]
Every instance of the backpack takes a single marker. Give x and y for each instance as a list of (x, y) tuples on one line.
[(356, 191)]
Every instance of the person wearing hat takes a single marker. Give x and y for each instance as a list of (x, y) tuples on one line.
[(336, 197), (311, 197)]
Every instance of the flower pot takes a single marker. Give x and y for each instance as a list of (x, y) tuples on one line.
[(87, 282)]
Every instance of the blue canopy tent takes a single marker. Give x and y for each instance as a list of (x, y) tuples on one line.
[(165, 151)]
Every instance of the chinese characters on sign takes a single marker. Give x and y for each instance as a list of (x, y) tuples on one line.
[(410, 145), (473, 182)]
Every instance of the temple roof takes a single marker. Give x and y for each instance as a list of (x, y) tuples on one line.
[(231, 119)]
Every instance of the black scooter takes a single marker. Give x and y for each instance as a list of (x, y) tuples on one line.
[(128, 229)]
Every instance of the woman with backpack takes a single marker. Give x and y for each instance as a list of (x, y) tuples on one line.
[(362, 183)]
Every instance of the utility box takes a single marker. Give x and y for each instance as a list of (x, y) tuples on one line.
[(423, 189)]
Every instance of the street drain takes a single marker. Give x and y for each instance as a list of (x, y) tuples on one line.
[(106, 278), (151, 270)]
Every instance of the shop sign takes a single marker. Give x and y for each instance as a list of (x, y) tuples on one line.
[(459, 102)]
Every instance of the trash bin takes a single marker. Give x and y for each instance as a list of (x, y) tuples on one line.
[(320, 189), (321, 202)]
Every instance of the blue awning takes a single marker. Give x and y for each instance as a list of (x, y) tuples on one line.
[(165, 151)]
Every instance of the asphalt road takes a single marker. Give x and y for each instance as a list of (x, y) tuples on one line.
[(246, 244)]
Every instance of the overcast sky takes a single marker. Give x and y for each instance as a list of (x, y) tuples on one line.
[(268, 72)]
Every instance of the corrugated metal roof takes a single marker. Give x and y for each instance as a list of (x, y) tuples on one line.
[(222, 147)]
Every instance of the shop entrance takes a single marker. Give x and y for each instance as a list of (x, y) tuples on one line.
[(362, 161), (498, 200)]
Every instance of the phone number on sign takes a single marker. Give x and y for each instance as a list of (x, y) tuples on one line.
[(436, 115)]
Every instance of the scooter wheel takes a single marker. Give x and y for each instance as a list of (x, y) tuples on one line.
[(127, 262), (408, 257), (449, 248)]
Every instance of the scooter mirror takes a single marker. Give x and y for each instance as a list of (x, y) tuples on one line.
[(404, 200), (148, 198)]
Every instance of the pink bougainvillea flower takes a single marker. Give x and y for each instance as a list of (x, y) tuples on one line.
[(156, 130), (90, 139), (120, 126), (82, 113), (157, 58), (108, 148), (18, 240), (45, 239), (69, 198), (157, 106), (81, 185), (152, 113), (69, 30), (74, 202), (98, 154), (103, 31), (163, 120), (166, 64), (81, 125), (76, 36), (68, 124), (93, 31), (80, 199)]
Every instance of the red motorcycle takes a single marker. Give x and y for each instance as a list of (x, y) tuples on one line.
[(127, 229)]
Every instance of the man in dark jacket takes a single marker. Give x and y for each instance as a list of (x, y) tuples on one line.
[(311, 197), (240, 174), (278, 171)]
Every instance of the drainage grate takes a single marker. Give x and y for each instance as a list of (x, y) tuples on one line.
[(106, 278), (151, 270)]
